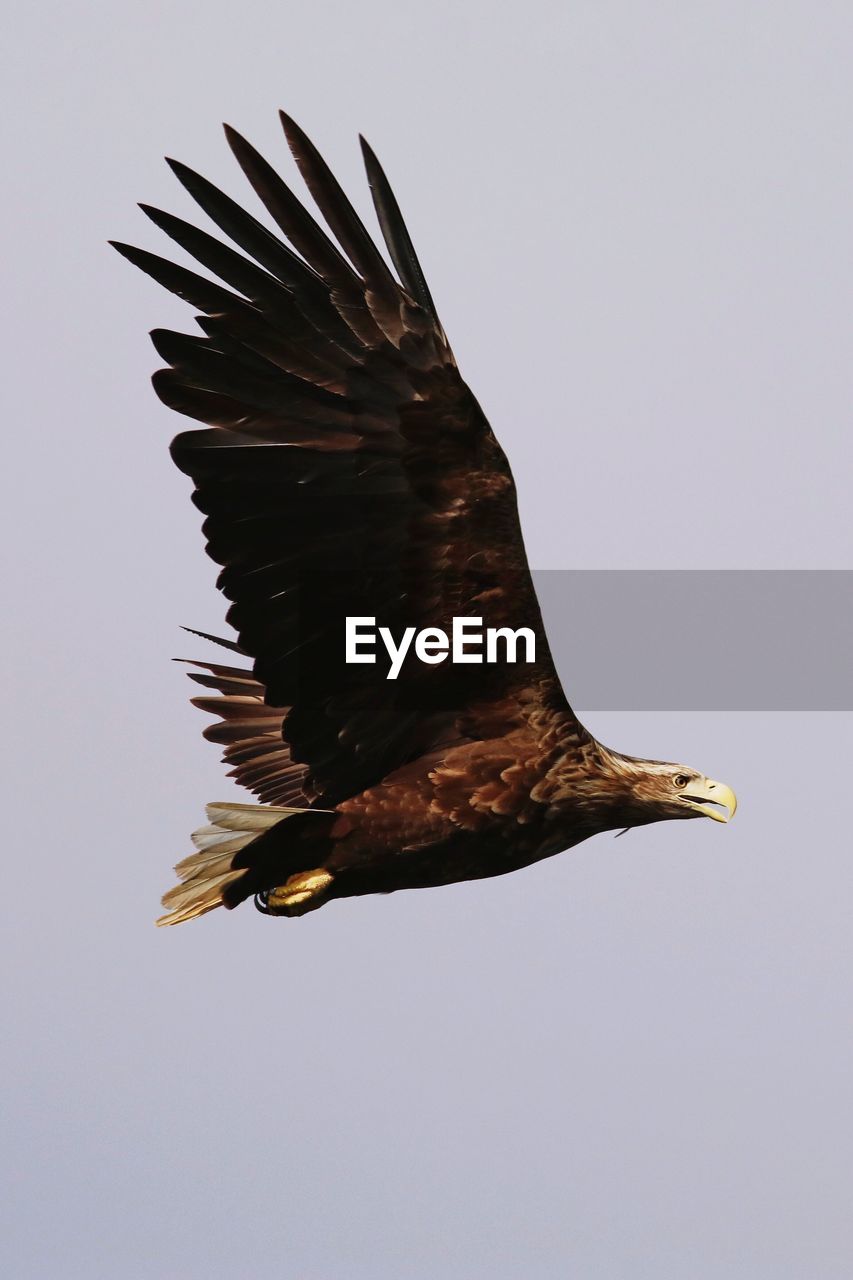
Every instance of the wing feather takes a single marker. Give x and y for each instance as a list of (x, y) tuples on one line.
[(337, 210), (396, 233), (290, 215)]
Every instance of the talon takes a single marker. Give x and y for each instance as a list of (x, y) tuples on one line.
[(302, 892)]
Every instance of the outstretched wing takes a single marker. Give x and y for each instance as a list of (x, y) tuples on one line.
[(346, 470)]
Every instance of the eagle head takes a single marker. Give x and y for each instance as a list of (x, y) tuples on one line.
[(654, 791)]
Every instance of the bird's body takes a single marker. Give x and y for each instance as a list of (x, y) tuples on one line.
[(347, 471)]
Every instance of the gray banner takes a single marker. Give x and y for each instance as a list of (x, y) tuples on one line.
[(715, 640)]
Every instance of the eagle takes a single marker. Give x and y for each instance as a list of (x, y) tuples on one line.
[(345, 471)]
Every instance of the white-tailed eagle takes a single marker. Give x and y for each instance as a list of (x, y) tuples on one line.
[(346, 471)]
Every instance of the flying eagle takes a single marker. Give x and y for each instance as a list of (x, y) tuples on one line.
[(346, 471)]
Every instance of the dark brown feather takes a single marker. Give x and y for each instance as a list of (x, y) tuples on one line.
[(396, 233)]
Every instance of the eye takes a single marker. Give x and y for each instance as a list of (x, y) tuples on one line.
[(681, 779)]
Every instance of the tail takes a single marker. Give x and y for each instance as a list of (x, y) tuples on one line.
[(221, 873)]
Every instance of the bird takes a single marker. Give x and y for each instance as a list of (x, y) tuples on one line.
[(345, 471)]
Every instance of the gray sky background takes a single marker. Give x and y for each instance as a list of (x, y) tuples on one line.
[(631, 1061)]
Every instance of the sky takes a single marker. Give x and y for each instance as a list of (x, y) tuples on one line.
[(632, 1060)]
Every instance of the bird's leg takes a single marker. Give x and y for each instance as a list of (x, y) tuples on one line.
[(305, 891)]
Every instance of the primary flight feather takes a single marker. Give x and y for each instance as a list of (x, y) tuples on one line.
[(345, 470)]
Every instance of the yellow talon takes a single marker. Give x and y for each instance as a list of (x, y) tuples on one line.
[(300, 893)]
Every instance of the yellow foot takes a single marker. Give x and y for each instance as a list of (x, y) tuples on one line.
[(303, 892)]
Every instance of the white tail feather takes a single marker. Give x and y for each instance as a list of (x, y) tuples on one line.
[(205, 874)]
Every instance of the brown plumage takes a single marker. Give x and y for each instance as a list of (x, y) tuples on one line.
[(346, 470)]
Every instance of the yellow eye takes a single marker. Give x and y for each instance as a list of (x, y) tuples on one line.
[(681, 779)]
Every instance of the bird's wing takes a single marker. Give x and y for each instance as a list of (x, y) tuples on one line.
[(346, 470)]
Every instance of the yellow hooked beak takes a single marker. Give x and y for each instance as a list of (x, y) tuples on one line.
[(713, 794)]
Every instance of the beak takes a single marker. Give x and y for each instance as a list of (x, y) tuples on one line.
[(706, 795)]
